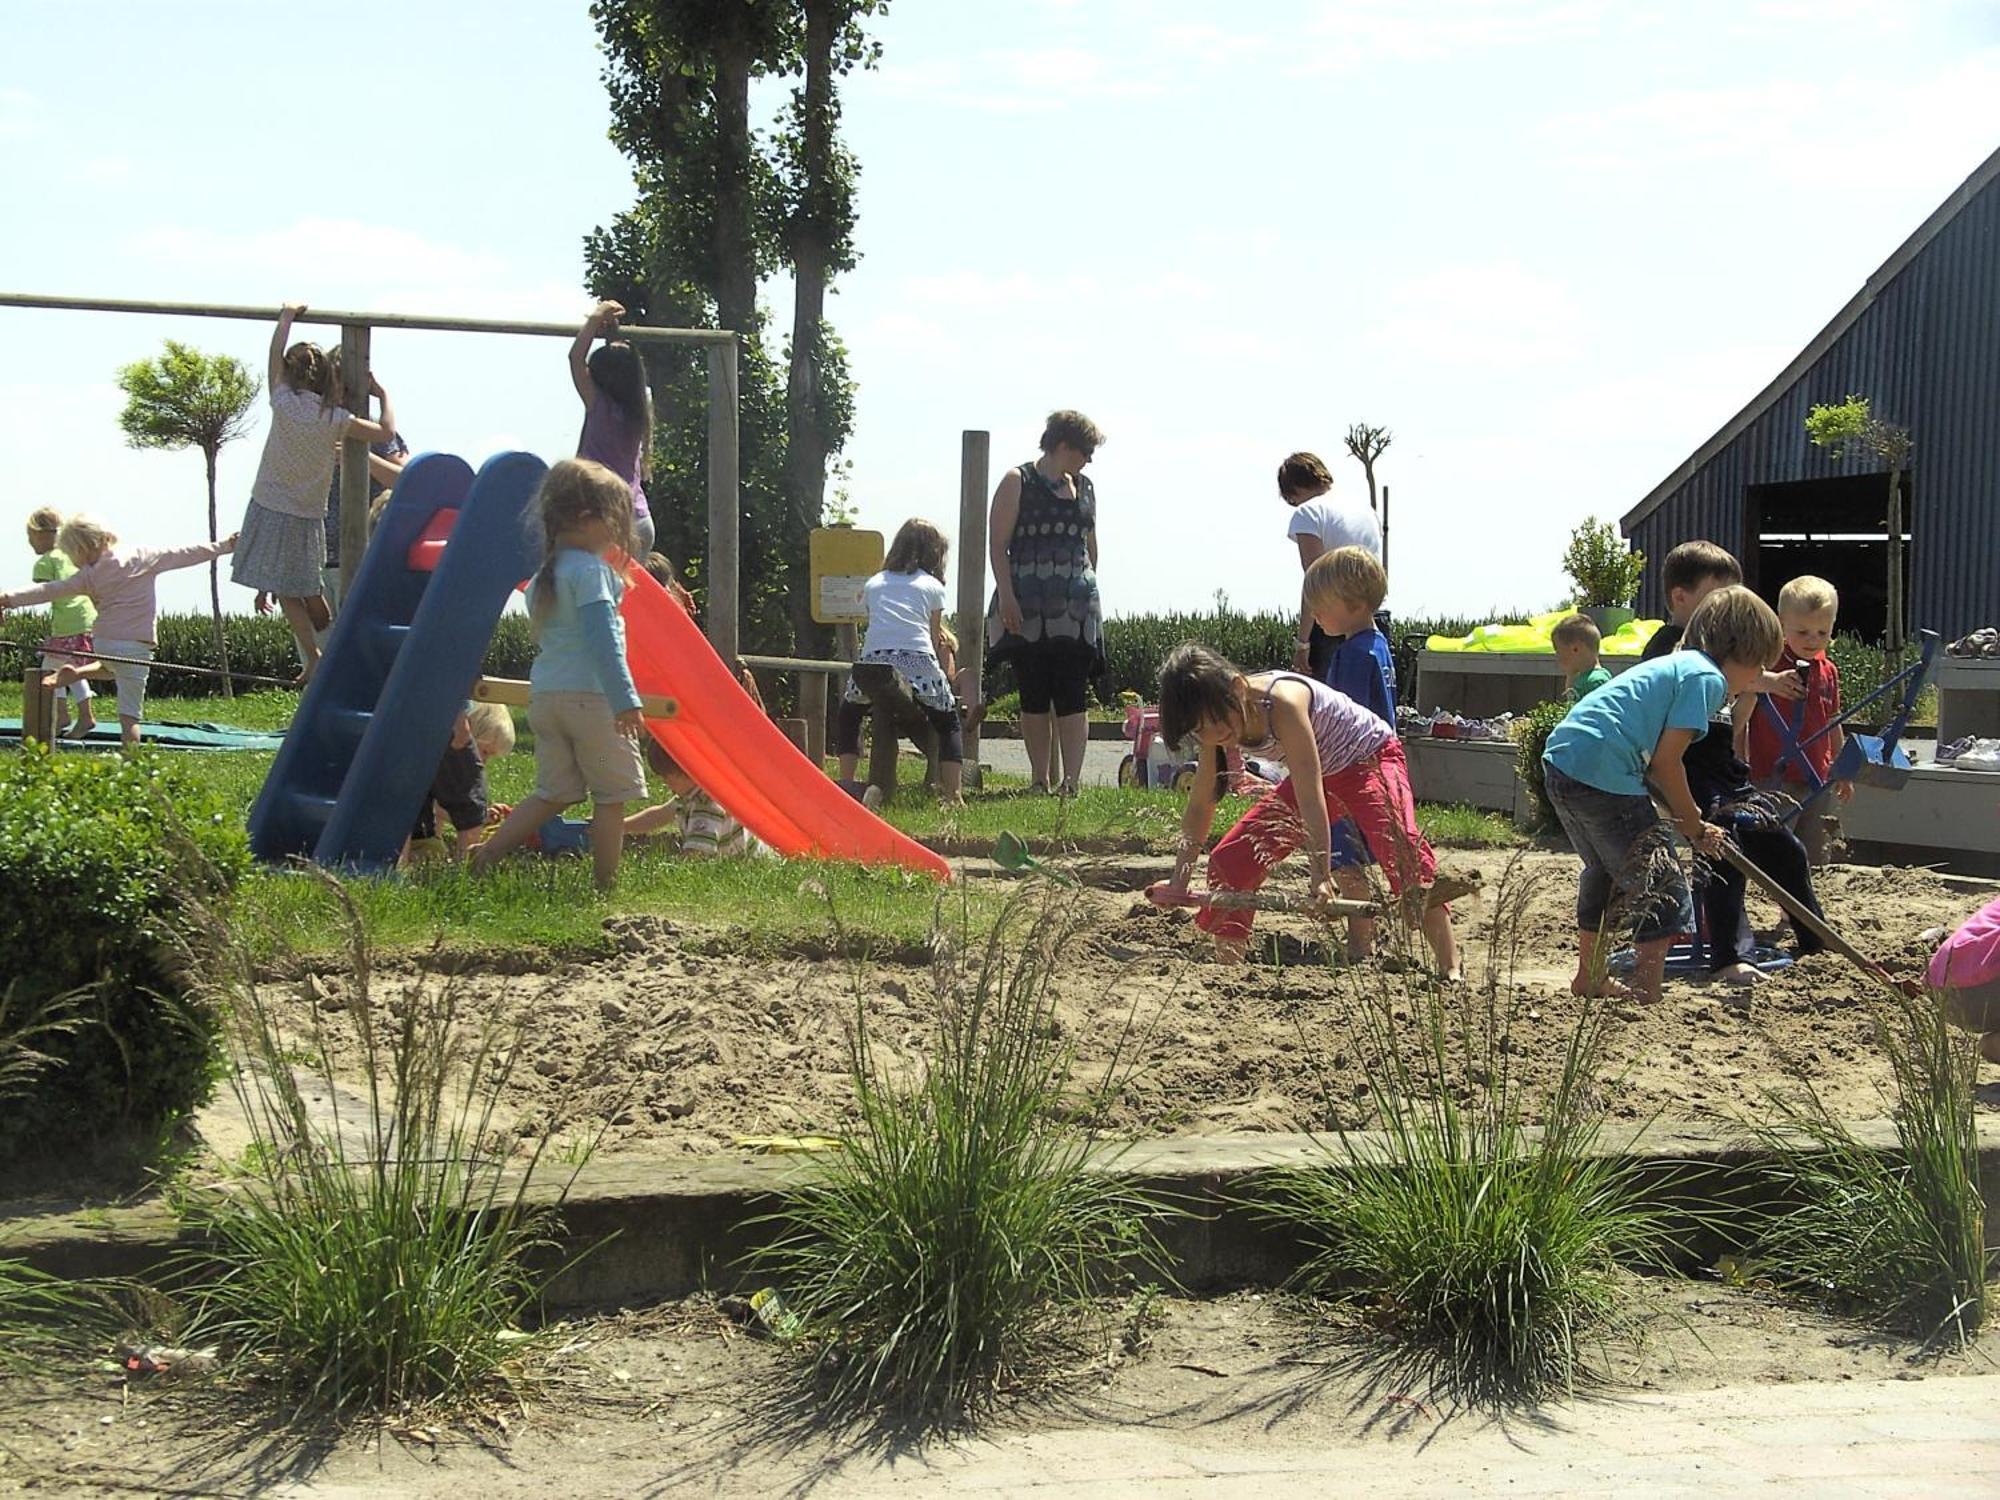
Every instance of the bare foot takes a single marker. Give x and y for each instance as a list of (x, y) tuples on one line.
[(1231, 950), (1606, 989), (1989, 1046), (1741, 975)]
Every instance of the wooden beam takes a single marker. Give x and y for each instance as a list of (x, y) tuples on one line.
[(725, 504), (516, 694), (324, 316), (354, 343), (38, 706), (974, 459)]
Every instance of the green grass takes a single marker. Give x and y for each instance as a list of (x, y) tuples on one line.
[(952, 1250), (1897, 1236), (1489, 1252), (1451, 825), (376, 1261)]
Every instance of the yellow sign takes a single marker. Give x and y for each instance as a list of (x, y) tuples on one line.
[(843, 560)]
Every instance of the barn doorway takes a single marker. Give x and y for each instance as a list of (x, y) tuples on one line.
[(1834, 528)]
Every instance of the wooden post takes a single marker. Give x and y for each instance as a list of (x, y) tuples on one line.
[(725, 504), (1385, 528), (353, 455), (974, 456), (812, 708), (38, 706)]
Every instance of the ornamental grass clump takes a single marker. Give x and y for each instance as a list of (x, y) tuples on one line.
[(956, 1245), (1897, 1235), (1488, 1249), (378, 1246)]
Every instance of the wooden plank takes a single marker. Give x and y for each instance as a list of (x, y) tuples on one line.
[(725, 503), (38, 706), (516, 694), (354, 350), (801, 664), (974, 461), (324, 316), (1937, 808)]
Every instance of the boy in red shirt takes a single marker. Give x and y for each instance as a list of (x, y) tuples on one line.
[(1807, 607)]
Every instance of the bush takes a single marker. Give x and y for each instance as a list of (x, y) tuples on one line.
[(1490, 1250), (381, 1258), (99, 856), (1531, 737), (1899, 1236), (959, 1235)]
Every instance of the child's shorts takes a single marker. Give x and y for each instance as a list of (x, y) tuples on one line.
[(460, 789), (1611, 832), (66, 651), (130, 679), (579, 750)]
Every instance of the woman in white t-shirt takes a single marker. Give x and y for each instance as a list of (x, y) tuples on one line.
[(906, 631), (1321, 524), (282, 548)]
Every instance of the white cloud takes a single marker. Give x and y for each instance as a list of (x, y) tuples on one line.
[(396, 270), (1346, 35), (1495, 314), (20, 115), (1829, 134)]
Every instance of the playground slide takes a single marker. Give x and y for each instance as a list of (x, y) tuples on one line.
[(374, 722), (742, 759)]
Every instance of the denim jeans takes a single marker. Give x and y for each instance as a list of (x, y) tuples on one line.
[(1610, 830)]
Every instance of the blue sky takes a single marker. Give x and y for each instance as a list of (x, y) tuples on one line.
[(1552, 243)]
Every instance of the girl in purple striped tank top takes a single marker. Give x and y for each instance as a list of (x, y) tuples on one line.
[(1344, 762)]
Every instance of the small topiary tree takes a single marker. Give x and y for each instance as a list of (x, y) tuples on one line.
[(187, 399), (104, 863), (1605, 571)]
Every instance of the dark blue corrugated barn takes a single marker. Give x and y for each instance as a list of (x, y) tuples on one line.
[(1922, 341)]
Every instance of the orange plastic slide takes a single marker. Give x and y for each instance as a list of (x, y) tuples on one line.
[(738, 756)]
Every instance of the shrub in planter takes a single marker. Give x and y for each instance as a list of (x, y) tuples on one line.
[(106, 863), (1606, 573), (1531, 735)]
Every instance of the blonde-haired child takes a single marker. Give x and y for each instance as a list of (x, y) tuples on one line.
[(482, 733), (70, 622), (1807, 609), (1635, 729), (906, 631), (582, 705), (1576, 638), (122, 584), (284, 527)]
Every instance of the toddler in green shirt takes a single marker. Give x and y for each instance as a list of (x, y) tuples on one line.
[(70, 622), (1575, 639)]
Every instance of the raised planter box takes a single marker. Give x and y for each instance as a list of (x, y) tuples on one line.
[(1477, 773), (1937, 811), (1968, 692), (1482, 684)]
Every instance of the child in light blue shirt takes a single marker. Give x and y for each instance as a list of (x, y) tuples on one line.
[(583, 707), (1632, 732)]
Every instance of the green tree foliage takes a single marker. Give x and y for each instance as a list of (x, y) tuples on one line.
[(723, 203), (1605, 571), (187, 399)]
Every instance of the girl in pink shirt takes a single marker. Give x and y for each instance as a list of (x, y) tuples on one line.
[(1966, 971), (121, 583), (1343, 760)]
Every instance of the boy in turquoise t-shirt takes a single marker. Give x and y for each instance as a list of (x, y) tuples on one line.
[(70, 622), (1633, 731)]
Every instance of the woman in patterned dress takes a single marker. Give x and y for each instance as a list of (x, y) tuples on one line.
[(1046, 619)]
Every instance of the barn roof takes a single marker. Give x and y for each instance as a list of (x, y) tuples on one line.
[(1906, 253)]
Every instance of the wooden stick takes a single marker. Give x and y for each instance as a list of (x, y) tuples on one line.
[(1802, 914), (1255, 901), (321, 315), (515, 694)]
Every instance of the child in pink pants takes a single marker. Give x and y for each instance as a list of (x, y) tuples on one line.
[(1343, 760)]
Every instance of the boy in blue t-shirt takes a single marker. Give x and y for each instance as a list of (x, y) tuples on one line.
[(1632, 730), (1343, 590)]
